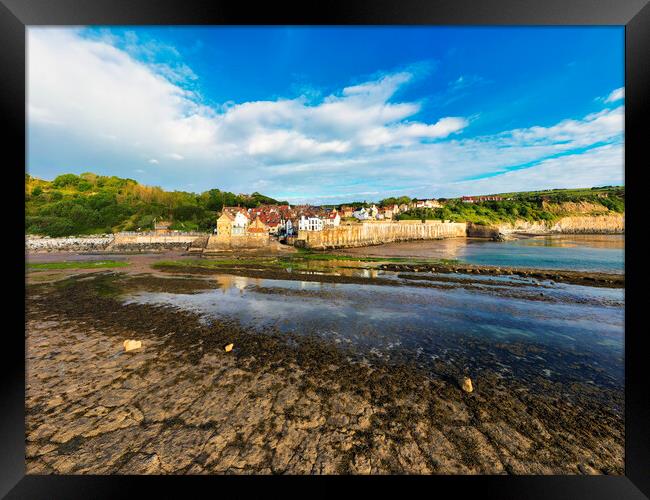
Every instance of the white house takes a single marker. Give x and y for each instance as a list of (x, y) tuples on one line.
[(240, 223), (428, 204), (387, 213), (361, 214), (288, 227), (333, 218), (310, 223)]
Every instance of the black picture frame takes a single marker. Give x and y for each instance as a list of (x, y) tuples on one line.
[(15, 15)]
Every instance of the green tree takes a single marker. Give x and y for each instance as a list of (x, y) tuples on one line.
[(65, 180)]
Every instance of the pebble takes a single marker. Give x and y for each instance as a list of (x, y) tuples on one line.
[(130, 345), (467, 384)]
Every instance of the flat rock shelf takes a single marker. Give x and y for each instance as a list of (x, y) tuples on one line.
[(300, 398)]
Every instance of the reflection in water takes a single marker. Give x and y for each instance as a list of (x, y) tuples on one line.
[(578, 328), (604, 253), (605, 241), (229, 282)]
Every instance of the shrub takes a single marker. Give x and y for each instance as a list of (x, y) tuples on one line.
[(65, 180)]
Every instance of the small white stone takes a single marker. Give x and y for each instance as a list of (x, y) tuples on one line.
[(130, 345)]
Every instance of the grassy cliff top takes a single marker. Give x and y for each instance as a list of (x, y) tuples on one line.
[(546, 205)]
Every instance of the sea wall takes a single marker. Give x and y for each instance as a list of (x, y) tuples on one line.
[(152, 238), (583, 224), (375, 233), (140, 242), (227, 242)]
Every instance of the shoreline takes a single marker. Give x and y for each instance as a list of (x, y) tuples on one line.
[(606, 280), (99, 244)]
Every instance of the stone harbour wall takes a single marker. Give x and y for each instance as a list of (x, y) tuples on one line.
[(376, 233), (151, 238), (146, 242), (250, 240)]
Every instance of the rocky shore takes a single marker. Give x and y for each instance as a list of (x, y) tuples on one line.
[(117, 243), (38, 244), (256, 270), (573, 277), (279, 403)]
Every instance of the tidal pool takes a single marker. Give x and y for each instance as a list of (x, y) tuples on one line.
[(556, 331)]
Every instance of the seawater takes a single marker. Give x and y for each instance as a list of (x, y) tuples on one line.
[(595, 253)]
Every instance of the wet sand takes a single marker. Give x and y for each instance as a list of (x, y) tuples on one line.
[(282, 402)]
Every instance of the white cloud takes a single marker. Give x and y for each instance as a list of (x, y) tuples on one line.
[(597, 167), (595, 127), (290, 144), (616, 95), (93, 105), (88, 84), (42, 115), (409, 133)]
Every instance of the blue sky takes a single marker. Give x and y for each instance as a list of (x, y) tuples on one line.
[(327, 114)]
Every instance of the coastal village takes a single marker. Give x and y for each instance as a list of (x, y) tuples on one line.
[(324, 227), (285, 221), (278, 226)]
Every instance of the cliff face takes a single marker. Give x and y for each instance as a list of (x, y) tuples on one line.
[(612, 223)]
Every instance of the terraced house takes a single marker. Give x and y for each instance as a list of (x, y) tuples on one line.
[(233, 221), (310, 223)]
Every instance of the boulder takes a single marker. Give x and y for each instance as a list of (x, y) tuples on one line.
[(467, 384)]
